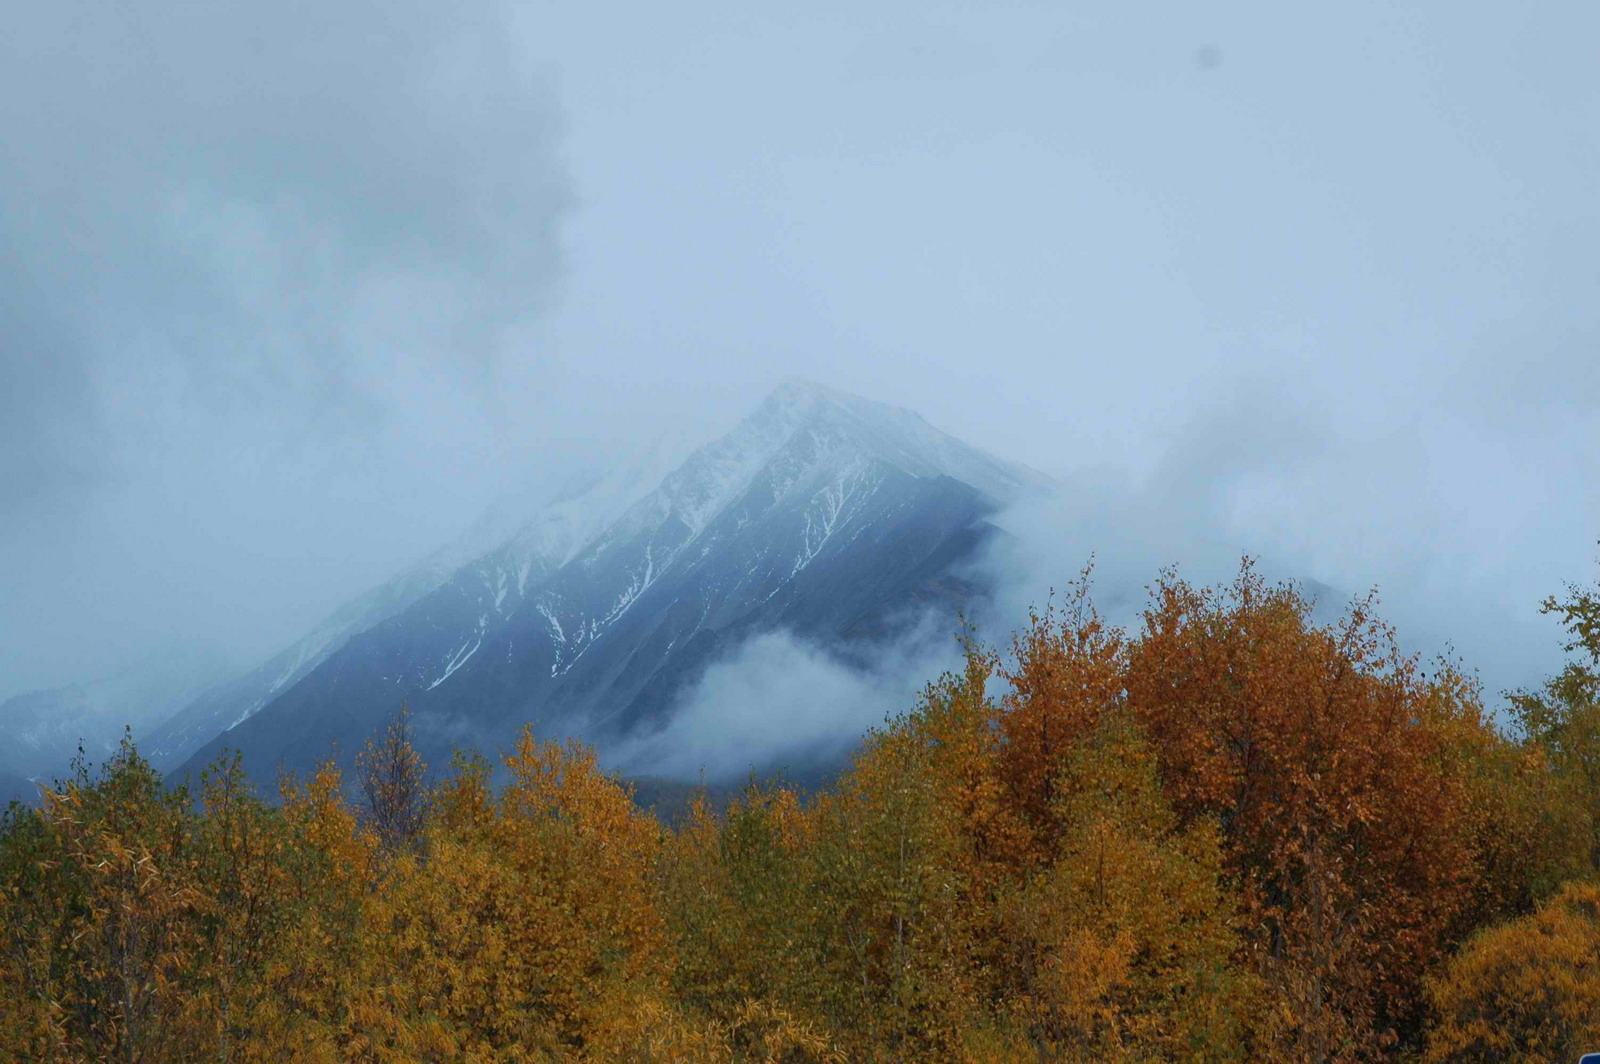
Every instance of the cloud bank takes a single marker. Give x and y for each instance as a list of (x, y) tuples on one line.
[(780, 703), (256, 259)]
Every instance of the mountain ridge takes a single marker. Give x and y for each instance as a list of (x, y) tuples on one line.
[(820, 512)]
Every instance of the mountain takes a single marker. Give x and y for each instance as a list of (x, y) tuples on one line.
[(44, 730), (536, 543), (831, 517), (176, 702)]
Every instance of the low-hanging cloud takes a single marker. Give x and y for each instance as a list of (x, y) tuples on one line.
[(1179, 514), (255, 260), (782, 703), (1263, 471)]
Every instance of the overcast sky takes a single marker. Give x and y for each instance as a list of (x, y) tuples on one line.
[(289, 291)]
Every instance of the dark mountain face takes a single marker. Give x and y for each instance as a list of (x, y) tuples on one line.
[(506, 546), (829, 517)]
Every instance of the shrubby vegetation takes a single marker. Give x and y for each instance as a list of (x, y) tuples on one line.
[(1231, 835)]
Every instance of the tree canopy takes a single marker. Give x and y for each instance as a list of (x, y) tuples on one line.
[(1229, 834)]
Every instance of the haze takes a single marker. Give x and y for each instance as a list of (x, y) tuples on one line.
[(289, 293)]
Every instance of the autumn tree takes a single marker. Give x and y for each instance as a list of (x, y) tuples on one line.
[(1067, 674), (1562, 720), (1123, 944), (105, 926), (389, 772), (530, 930), (243, 864), (38, 896), (889, 924), (736, 893), (1527, 990), (316, 963), (1319, 752)]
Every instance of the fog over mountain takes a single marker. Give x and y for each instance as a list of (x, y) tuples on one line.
[(822, 519), (291, 296), (752, 604)]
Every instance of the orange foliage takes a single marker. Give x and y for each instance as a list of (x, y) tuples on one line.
[(1528, 990), (1069, 674), (1321, 754), (1234, 834)]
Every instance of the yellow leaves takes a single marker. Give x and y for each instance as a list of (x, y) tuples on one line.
[(1528, 990), (523, 925), (1235, 835), (762, 1031), (1082, 971), (1124, 942)]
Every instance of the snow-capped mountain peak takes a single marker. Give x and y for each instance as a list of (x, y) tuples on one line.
[(821, 513), (802, 427)]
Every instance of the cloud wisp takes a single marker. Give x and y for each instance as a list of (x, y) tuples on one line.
[(781, 703)]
